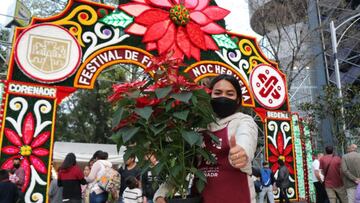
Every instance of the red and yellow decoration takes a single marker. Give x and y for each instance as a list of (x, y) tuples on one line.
[(94, 40), (184, 26)]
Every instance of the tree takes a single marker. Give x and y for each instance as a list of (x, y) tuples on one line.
[(287, 37), (331, 104), (86, 116), (4, 47), (54, 6)]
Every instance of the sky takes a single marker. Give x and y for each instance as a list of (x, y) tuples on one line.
[(238, 21)]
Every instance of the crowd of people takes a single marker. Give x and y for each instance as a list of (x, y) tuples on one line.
[(266, 184), (75, 186), (337, 178)]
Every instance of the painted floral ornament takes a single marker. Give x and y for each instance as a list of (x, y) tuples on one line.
[(183, 26), (27, 147)]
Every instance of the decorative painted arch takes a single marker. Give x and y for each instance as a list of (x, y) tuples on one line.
[(55, 56)]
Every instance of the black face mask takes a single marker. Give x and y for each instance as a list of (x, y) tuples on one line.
[(17, 165), (223, 106)]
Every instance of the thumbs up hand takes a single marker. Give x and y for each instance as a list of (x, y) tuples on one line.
[(237, 155)]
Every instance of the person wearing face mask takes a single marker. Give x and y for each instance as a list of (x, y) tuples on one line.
[(237, 133)]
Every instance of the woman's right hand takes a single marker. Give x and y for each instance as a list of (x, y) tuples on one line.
[(160, 200)]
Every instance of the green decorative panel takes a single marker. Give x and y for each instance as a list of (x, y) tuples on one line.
[(298, 156)]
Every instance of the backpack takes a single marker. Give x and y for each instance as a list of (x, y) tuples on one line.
[(110, 182), (258, 186), (265, 177)]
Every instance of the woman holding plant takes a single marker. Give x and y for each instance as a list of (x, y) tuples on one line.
[(164, 115), (229, 179)]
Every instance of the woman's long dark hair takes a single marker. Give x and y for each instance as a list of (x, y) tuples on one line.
[(231, 79), (69, 161)]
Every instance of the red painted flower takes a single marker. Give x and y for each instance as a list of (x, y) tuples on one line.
[(180, 25), (281, 152), (27, 148)]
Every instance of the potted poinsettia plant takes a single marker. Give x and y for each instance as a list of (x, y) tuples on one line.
[(163, 116)]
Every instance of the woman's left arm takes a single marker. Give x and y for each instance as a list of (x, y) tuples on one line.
[(244, 133)]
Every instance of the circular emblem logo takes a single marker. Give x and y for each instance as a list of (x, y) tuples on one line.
[(47, 53), (268, 86)]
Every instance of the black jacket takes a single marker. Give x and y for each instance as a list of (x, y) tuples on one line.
[(8, 192)]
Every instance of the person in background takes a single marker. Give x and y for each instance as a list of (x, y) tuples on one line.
[(149, 182), (85, 189), (9, 192), (318, 179), (19, 172), (238, 134), (12, 177), (267, 182), (283, 181), (55, 192), (130, 169), (330, 164), (350, 166), (132, 193), (70, 178), (97, 195)]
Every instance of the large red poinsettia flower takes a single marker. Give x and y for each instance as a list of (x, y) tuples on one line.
[(183, 26), (281, 152), (27, 148)]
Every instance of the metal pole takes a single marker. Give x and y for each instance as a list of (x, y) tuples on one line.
[(336, 61), (337, 73)]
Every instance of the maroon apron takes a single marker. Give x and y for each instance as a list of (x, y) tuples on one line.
[(225, 184)]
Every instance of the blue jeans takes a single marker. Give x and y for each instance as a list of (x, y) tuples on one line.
[(98, 198)]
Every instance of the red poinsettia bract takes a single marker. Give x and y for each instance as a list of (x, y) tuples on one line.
[(124, 88), (281, 153), (27, 148), (180, 25)]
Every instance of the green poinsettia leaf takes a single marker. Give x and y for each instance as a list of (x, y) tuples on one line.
[(206, 155), (200, 185), (183, 96), (117, 19), (144, 112), (162, 92), (175, 171), (128, 133), (181, 115), (158, 168), (116, 138), (214, 138), (158, 129), (117, 116), (200, 175), (190, 137), (223, 40)]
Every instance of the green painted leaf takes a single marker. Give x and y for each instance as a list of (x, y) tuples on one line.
[(128, 133), (181, 115), (183, 96), (191, 137), (144, 112), (117, 19), (223, 40), (162, 92)]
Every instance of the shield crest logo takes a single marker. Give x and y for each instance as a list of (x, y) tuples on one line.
[(48, 55)]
